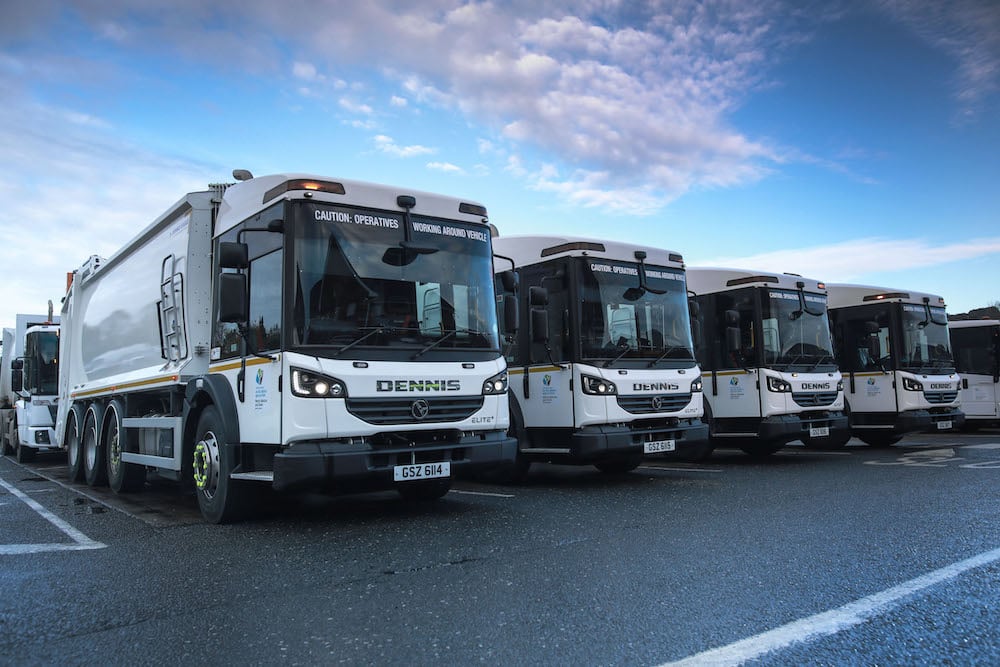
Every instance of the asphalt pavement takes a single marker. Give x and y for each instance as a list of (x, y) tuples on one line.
[(865, 556)]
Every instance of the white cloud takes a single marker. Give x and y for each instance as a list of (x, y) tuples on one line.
[(852, 261), (969, 32), (354, 106), (398, 101), (445, 167), (388, 145)]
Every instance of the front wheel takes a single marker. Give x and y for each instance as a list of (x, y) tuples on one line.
[(880, 440), (762, 448), (220, 499), (619, 466)]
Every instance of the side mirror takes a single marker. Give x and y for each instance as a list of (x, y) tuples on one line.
[(510, 314), (233, 298), (16, 375), (538, 296), (696, 332), (874, 348), (732, 339), (539, 325), (508, 281), (233, 255), (694, 308)]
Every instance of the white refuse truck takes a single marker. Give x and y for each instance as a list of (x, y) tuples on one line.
[(894, 350), (767, 360), (28, 385), (293, 331), (976, 346), (602, 369)]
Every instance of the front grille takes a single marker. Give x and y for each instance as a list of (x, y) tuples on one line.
[(404, 410), (648, 403), (940, 396), (813, 399)]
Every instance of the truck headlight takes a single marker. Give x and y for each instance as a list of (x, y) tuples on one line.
[(840, 385), (778, 385), (696, 385), (496, 384), (308, 384), (909, 384), (597, 386)]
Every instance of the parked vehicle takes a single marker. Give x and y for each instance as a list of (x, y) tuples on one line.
[(30, 370), (976, 347), (602, 371), (767, 360), (894, 349), (289, 331)]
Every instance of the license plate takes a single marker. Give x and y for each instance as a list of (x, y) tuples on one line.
[(421, 471), (819, 431), (656, 446), (944, 425)]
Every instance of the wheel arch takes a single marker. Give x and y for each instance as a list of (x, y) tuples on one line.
[(205, 391)]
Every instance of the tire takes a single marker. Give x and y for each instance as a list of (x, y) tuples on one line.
[(74, 443), (122, 477), (430, 489), (880, 440), (220, 499), (619, 466), (6, 446), (25, 454), (762, 448), (517, 471), (95, 469)]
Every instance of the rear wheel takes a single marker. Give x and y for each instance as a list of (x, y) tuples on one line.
[(122, 477), (220, 499), (74, 444), (94, 465), (430, 489)]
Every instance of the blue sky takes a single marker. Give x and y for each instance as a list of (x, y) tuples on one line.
[(850, 142)]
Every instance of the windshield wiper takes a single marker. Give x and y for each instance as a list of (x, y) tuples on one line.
[(822, 358), (448, 334), (663, 356), (626, 348), (358, 341)]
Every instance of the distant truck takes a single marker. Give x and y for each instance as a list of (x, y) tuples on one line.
[(976, 346), (894, 349), (602, 368), (293, 332), (767, 360), (28, 386)]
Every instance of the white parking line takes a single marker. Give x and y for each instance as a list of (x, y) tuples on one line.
[(80, 541), (670, 468), (482, 493), (833, 621)]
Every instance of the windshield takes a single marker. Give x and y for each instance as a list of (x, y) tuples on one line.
[(362, 282), (796, 331), (623, 320), (925, 345), (41, 367)]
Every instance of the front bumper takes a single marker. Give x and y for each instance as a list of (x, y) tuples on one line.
[(797, 426), (906, 422), (339, 467), (602, 441)]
